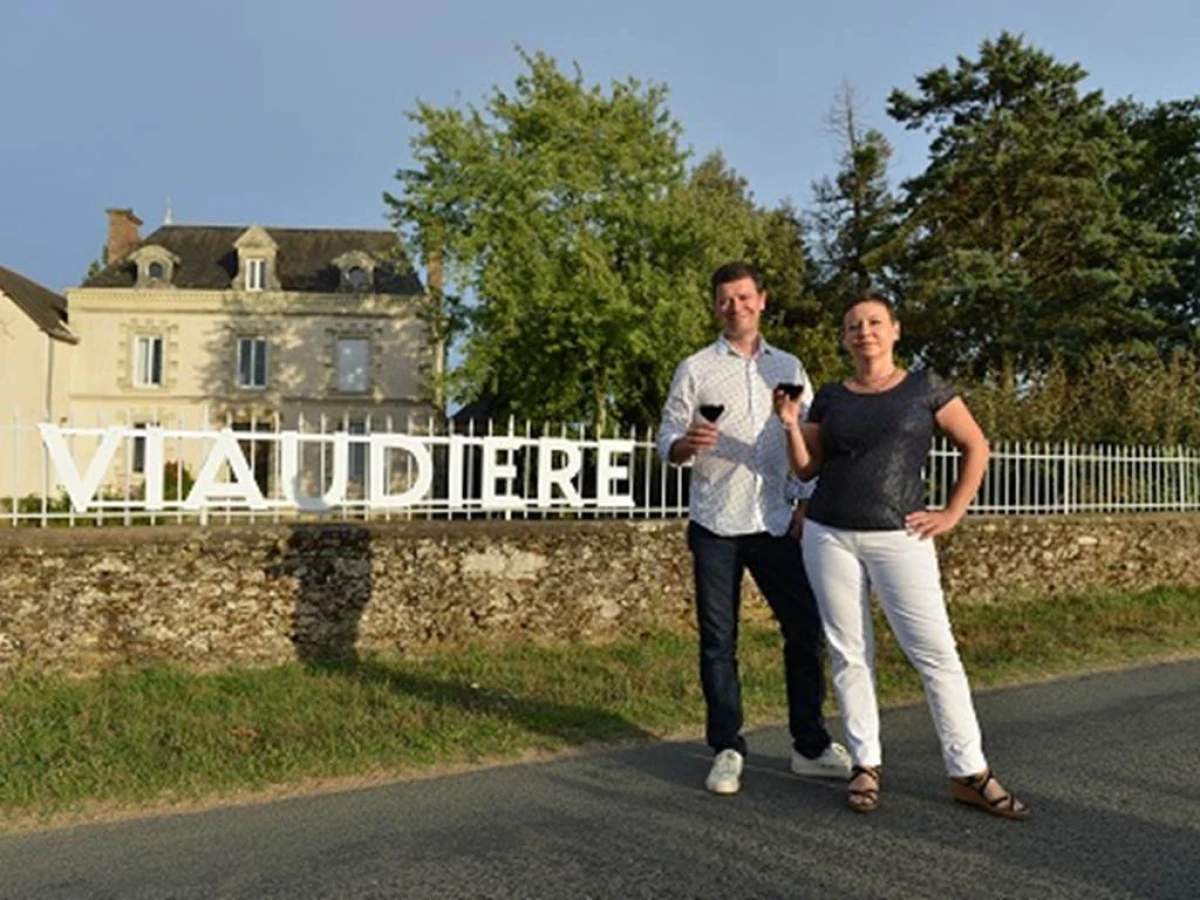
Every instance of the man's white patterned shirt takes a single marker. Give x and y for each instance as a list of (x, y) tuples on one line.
[(742, 485)]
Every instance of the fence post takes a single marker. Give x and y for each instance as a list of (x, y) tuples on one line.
[(1179, 477), (1068, 478), (16, 468)]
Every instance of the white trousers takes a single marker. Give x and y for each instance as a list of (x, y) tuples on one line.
[(842, 566)]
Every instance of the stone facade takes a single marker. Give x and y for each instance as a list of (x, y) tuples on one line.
[(330, 334), (298, 330), (82, 599)]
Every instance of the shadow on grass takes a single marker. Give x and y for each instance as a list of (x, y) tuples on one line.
[(568, 724), (332, 566)]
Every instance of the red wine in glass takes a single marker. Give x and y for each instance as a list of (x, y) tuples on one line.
[(712, 411), (791, 389)]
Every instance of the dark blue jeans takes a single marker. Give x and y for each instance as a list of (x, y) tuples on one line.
[(776, 566)]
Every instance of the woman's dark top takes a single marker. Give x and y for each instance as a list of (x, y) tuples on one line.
[(874, 447)]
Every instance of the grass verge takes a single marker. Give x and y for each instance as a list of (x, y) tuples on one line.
[(159, 735)]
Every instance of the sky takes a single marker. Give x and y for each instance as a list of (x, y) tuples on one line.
[(293, 113)]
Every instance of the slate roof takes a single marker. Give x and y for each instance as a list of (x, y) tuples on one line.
[(208, 258), (47, 309)]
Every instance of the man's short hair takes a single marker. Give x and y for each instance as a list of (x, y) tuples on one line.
[(736, 271)]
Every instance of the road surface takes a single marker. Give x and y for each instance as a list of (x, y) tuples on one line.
[(1109, 764)]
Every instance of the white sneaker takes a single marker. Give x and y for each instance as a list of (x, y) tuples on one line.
[(725, 775), (833, 763)]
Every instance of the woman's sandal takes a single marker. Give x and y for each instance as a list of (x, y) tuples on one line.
[(971, 790), (865, 799)]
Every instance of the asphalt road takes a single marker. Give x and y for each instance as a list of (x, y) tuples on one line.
[(1109, 764)]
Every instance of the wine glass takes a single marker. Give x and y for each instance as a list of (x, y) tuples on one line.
[(790, 388), (712, 411)]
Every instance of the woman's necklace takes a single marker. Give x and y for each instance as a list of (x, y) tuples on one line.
[(877, 384)]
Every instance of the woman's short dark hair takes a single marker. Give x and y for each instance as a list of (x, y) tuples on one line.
[(736, 271), (872, 297)]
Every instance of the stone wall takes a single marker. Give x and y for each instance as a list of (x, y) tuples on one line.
[(81, 599)]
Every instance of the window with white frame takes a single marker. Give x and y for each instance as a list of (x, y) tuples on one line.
[(256, 274), (252, 362), (148, 361), (353, 356)]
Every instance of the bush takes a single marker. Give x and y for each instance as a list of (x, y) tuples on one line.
[(1127, 394)]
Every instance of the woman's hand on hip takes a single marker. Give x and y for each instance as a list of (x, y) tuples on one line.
[(796, 526), (927, 523)]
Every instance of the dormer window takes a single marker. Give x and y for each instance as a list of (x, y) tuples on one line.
[(258, 262), (358, 271), (256, 274), (155, 266)]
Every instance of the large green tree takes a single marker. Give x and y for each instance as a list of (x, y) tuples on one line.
[(774, 241), (848, 227), (566, 214), (795, 318), (1162, 187), (1015, 243), (853, 213)]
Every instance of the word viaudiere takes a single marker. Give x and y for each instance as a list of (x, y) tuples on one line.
[(225, 478)]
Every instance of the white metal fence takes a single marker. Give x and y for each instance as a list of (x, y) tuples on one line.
[(30, 492), (1022, 478), (1052, 478)]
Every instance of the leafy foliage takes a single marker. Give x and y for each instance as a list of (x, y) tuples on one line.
[(795, 318), (1162, 186), (1047, 258), (774, 241), (1124, 394), (567, 212), (854, 212), (1015, 243)]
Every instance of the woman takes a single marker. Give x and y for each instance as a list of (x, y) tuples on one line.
[(866, 526)]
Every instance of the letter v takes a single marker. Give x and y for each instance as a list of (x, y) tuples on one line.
[(81, 491)]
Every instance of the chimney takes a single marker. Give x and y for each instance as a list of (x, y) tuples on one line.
[(122, 233)]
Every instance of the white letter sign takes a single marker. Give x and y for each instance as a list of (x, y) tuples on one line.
[(442, 474), (241, 489), (494, 470), (81, 490), (379, 496), (608, 471), (549, 477)]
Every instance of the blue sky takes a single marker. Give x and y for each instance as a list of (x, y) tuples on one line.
[(292, 114)]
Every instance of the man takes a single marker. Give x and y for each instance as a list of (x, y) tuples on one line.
[(741, 518)]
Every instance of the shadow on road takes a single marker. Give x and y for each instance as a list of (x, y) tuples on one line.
[(569, 724)]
